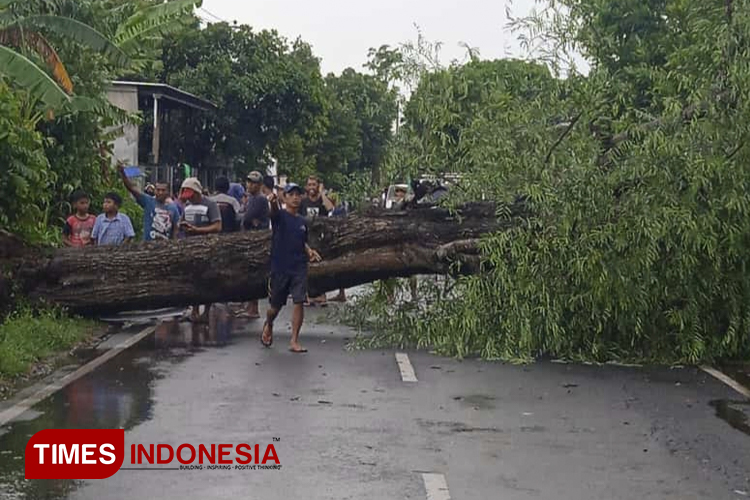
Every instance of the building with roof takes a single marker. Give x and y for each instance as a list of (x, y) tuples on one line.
[(166, 145)]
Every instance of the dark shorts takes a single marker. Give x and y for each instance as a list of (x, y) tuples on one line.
[(281, 285)]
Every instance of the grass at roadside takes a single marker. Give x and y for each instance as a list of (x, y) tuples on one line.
[(29, 335)]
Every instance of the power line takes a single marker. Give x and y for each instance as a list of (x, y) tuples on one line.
[(205, 19), (214, 15)]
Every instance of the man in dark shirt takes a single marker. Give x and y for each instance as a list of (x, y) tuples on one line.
[(256, 210), (255, 219), (289, 257), (229, 207), (316, 203)]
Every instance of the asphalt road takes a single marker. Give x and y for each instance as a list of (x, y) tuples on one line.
[(349, 427)]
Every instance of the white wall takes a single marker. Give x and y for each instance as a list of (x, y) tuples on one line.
[(126, 145)]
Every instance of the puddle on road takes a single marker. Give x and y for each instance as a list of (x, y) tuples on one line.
[(735, 413), (119, 394)]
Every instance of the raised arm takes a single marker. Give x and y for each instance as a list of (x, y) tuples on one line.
[(274, 208), (326, 201), (126, 181)]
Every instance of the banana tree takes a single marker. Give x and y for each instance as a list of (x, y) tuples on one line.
[(22, 40), (152, 23)]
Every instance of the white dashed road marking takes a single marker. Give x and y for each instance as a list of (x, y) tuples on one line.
[(436, 487), (404, 365), (727, 380), (19, 408)]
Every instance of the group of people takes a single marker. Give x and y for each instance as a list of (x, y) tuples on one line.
[(259, 205), (108, 228)]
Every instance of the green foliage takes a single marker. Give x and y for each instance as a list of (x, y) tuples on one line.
[(23, 27), (29, 335), (269, 91), (361, 114), (355, 188), (75, 31), (275, 104), (451, 109), (635, 178), (27, 74), (25, 174)]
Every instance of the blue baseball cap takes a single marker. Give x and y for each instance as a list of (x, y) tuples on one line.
[(291, 187)]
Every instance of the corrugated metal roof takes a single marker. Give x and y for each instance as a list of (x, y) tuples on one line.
[(168, 92)]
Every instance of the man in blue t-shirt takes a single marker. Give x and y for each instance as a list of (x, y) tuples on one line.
[(289, 257), (160, 219)]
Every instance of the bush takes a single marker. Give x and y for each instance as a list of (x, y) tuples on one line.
[(25, 175)]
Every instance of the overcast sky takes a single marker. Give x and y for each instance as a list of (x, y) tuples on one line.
[(341, 31)]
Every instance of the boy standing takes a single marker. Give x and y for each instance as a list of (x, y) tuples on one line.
[(289, 256), (79, 226), (112, 227)]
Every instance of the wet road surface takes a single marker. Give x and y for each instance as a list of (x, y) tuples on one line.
[(351, 428)]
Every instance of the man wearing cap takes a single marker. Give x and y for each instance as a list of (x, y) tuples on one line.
[(256, 208), (255, 219), (289, 257), (201, 217)]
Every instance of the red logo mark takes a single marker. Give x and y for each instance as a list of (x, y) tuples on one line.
[(74, 453)]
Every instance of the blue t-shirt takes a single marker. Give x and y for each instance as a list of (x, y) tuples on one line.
[(158, 218), (288, 255), (112, 231)]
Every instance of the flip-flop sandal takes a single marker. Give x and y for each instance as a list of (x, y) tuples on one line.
[(261, 336), (301, 351)]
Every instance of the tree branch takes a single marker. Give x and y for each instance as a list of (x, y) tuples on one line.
[(736, 150), (562, 136)]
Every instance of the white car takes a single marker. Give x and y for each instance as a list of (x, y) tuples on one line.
[(390, 196)]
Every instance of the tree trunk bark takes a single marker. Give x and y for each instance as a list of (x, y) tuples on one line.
[(234, 267)]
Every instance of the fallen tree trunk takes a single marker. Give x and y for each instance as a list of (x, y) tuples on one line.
[(234, 267)]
